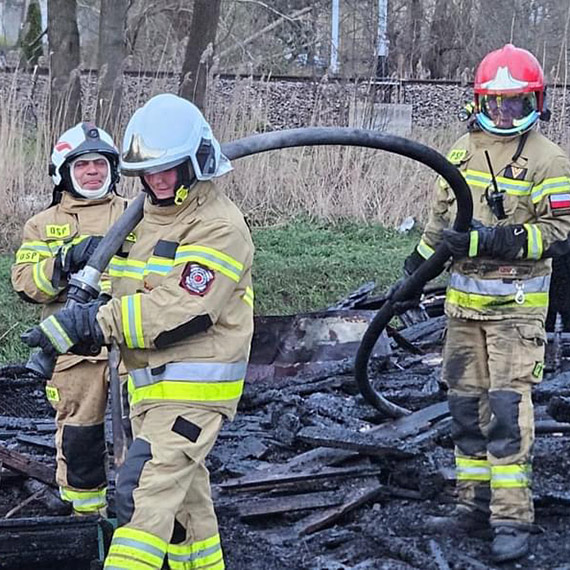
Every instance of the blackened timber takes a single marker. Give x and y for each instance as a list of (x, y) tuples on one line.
[(357, 498), (351, 440), (27, 466), (41, 542), (274, 480), (289, 503)]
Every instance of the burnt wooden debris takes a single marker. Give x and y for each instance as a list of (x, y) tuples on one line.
[(307, 475)]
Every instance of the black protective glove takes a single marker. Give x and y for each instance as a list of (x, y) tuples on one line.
[(502, 242), (70, 259), (73, 328)]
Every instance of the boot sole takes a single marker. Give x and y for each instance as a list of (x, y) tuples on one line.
[(511, 556)]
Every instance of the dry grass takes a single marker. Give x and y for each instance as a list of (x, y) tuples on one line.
[(326, 183)]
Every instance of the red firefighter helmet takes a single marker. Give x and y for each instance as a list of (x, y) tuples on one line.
[(509, 91)]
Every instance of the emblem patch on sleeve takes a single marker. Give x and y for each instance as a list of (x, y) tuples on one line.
[(196, 279), (559, 204)]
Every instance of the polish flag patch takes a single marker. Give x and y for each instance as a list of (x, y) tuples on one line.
[(196, 279), (559, 201)]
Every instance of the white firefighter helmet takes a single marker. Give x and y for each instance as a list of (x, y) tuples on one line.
[(166, 132), (83, 139)]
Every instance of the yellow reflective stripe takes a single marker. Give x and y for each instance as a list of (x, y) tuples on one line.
[(483, 180), (534, 241), (85, 501), (473, 243), (424, 249), (131, 312), (557, 185), (212, 258), (196, 555), (247, 297), (41, 247), (139, 545), (510, 476), (472, 469), (56, 334), (27, 256), (41, 281), (474, 301), (52, 393), (105, 285), (124, 563), (186, 391)]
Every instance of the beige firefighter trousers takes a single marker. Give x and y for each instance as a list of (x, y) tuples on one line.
[(78, 392), (164, 506), (490, 368)]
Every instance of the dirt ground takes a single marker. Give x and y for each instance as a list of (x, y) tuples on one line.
[(387, 531)]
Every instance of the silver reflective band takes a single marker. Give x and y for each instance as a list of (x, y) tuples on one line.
[(474, 470), (190, 372), (498, 286), (195, 555), (143, 546)]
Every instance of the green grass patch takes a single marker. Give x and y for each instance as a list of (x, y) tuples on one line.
[(305, 266), (15, 317), (301, 266)]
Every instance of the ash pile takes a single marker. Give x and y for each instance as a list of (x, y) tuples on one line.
[(309, 476)]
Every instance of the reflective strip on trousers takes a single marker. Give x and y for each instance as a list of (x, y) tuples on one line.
[(472, 469), (131, 546), (196, 555), (56, 334), (188, 381), (84, 501), (534, 241), (424, 249), (510, 476)]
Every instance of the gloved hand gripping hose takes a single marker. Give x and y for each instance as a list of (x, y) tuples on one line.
[(83, 287)]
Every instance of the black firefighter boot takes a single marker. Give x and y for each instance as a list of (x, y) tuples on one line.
[(510, 543), (461, 520)]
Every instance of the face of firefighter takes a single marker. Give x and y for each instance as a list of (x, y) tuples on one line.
[(507, 112), (163, 184), (90, 174)]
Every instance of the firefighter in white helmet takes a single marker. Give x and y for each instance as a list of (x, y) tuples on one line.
[(57, 242), (183, 317), (497, 297)]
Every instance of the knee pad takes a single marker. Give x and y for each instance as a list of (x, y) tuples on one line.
[(504, 430), (465, 428), (84, 450), (128, 479)]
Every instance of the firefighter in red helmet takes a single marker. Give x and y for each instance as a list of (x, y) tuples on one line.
[(497, 297)]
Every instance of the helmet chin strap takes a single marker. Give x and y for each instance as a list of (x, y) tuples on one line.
[(185, 181), (86, 192)]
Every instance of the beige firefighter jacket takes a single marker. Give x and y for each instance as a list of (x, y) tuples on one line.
[(189, 266), (536, 191), (72, 220)]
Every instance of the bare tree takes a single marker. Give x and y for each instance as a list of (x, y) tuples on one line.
[(199, 50), (65, 85), (110, 61)]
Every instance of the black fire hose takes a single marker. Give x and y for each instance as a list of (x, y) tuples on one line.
[(84, 286)]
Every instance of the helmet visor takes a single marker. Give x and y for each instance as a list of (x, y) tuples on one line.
[(508, 114)]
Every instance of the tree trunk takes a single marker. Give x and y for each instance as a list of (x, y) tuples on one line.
[(415, 34), (65, 84), (110, 62), (199, 51)]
